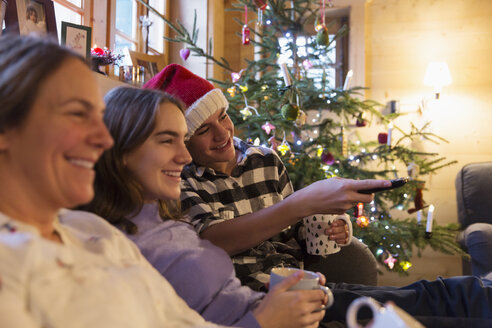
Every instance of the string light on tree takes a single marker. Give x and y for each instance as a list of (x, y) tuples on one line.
[(361, 220)]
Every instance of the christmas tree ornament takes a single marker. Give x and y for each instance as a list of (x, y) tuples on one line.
[(390, 129), (184, 53), (261, 4), (320, 24), (382, 138), (405, 265), (259, 21), (301, 119), (360, 122), (390, 261), (243, 88), (428, 226), (274, 143), (290, 112), (246, 113), (418, 200), (236, 76), (307, 64), (256, 142), (412, 170), (317, 25), (283, 148), (245, 32), (231, 91), (268, 127), (323, 38), (327, 158)]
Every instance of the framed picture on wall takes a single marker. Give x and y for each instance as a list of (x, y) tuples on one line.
[(76, 37), (152, 64), (3, 9), (31, 16)]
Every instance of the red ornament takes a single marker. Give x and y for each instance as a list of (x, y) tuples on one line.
[(383, 138), (245, 34), (98, 51), (360, 121), (261, 4)]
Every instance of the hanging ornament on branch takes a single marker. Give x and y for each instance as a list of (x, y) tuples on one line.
[(290, 112), (327, 157), (261, 4), (322, 38), (245, 32), (268, 127), (184, 53), (360, 122)]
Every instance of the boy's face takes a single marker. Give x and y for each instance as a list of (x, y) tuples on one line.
[(212, 144)]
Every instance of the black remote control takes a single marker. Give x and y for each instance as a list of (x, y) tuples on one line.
[(396, 183)]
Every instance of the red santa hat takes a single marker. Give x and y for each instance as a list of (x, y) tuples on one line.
[(201, 98)]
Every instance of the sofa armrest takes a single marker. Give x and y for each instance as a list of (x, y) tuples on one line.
[(474, 193)]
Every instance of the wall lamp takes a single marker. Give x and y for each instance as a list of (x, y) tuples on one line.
[(437, 75)]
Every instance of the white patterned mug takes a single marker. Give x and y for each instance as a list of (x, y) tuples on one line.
[(317, 243), (387, 316), (309, 281)]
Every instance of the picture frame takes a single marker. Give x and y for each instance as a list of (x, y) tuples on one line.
[(77, 38), (152, 64), (31, 16), (3, 9)]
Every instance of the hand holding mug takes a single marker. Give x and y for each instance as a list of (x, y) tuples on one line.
[(309, 281)]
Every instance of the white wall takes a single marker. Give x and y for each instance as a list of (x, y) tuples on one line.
[(401, 38)]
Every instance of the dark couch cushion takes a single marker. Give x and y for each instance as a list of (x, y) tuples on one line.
[(474, 193)]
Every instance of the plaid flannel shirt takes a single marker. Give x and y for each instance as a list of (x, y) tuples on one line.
[(258, 181)]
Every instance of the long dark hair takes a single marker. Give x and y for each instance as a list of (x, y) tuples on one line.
[(130, 117), (25, 63)]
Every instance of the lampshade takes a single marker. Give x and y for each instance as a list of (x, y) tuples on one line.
[(437, 75)]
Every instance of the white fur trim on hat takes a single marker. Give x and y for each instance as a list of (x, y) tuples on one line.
[(203, 108)]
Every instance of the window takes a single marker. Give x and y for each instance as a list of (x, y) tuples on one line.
[(72, 11), (131, 30), (334, 60)]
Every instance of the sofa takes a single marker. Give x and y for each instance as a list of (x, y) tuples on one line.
[(474, 201), (353, 264)]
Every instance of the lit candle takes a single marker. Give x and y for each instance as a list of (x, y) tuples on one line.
[(285, 74), (430, 213), (390, 128), (419, 216), (348, 78)]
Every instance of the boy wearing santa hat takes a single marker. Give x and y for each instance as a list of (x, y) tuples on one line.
[(236, 194)]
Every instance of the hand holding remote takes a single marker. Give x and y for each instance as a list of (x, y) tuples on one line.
[(396, 183)]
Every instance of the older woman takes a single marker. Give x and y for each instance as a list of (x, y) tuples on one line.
[(62, 268)]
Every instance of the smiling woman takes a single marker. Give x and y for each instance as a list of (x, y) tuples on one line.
[(63, 268)]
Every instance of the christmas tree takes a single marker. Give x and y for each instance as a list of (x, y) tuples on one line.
[(271, 101)]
